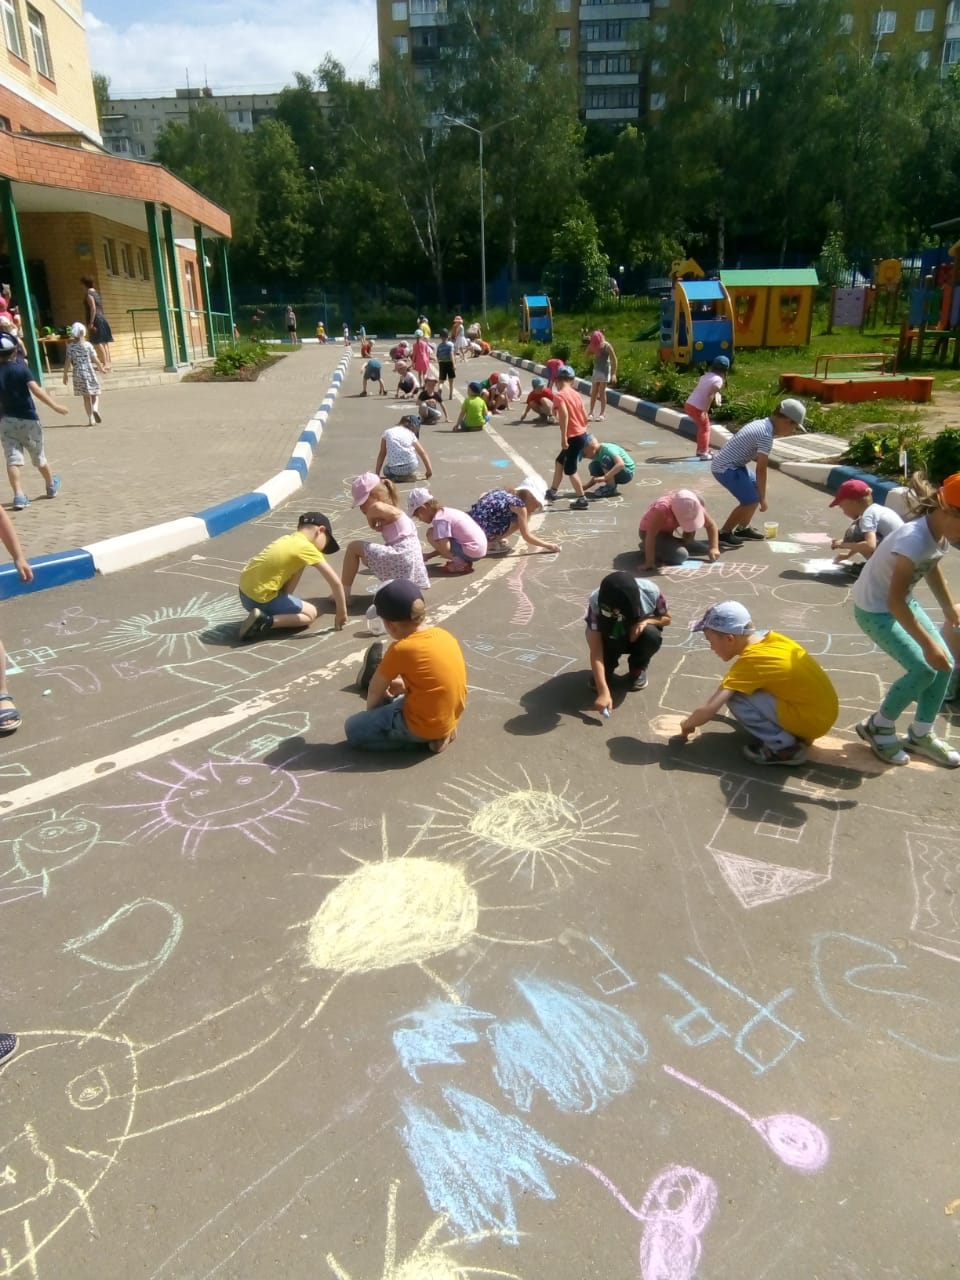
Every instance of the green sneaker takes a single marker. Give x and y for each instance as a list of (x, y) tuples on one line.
[(933, 748), (884, 743)]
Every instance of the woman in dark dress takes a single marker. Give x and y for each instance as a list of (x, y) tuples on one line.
[(98, 327)]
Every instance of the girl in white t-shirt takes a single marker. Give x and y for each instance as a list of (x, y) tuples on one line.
[(702, 399), (886, 611)]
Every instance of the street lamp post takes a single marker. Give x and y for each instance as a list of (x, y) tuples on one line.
[(316, 183), (483, 226)]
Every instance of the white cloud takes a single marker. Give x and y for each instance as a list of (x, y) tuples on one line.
[(235, 53)]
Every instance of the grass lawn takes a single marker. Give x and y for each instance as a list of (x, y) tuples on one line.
[(753, 385)]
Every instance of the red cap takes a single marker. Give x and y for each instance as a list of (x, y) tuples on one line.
[(851, 489)]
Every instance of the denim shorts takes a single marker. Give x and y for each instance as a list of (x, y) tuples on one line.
[(22, 435), (741, 484), (279, 604)]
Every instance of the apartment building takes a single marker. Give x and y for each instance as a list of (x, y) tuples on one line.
[(131, 126), (603, 38), (68, 208)]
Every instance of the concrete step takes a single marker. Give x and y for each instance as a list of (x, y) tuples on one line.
[(119, 378)]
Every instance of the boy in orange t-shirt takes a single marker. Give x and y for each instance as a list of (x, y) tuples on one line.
[(416, 695)]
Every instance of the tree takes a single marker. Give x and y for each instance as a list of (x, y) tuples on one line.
[(209, 155), (578, 270), (101, 93), (283, 204)]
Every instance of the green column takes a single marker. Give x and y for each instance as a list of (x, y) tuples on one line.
[(160, 284), (205, 287), (174, 273), (18, 270), (225, 273)]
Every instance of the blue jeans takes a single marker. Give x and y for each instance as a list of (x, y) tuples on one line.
[(382, 729), (279, 604), (757, 712)]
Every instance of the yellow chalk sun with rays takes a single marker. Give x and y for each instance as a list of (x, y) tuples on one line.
[(533, 830), (396, 911), (428, 1260)]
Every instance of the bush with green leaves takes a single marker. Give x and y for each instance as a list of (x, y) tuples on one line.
[(943, 455), (242, 355), (879, 451)]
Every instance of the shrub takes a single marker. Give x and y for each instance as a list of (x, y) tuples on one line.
[(239, 356), (879, 451), (561, 350), (943, 455)]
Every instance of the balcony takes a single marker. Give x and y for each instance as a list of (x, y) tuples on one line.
[(611, 113), (595, 12)]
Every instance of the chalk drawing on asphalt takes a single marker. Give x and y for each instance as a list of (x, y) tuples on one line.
[(935, 865), (173, 633), (40, 843), (796, 1141), (83, 1095), (535, 831), (427, 1260), (242, 798), (395, 911)]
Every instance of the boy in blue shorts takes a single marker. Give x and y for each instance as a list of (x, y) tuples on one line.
[(20, 426), (269, 580), (373, 372), (752, 442)]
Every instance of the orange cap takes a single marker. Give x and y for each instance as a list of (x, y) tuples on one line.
[(950, 490)]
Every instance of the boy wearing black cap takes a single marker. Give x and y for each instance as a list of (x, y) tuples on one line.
[(417, 694), (269, 580)]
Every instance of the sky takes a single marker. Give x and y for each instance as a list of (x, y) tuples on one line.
[(237, 47)]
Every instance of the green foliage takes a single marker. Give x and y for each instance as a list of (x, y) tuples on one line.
[(242, 355), (577, 272), (101, 93), (879, 451), (282, 226), (943, 455), (833, 265)]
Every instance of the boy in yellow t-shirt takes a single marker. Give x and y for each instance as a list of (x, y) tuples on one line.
[(774, 688), (269, 580), (417, 693)]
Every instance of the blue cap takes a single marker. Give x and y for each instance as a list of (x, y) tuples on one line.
[(565, 371), (720, 362), (730, 617)]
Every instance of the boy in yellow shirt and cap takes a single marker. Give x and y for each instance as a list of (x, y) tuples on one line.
[(268, 581)]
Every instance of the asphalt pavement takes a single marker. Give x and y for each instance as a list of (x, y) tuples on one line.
[(568, 1000)]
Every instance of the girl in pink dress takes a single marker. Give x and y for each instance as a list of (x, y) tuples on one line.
[(400, 555)]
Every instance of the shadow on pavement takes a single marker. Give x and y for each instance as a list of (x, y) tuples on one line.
[(827, 578), (296, 755), (564, 695)]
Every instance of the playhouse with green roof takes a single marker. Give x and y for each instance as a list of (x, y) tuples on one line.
[(771, 308)]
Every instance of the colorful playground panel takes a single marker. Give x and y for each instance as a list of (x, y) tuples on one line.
[(771, 308)]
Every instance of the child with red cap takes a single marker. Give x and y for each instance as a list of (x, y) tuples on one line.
[(889, 615), (871, 523)]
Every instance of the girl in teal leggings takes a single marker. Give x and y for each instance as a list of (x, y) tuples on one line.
[(889, 615)]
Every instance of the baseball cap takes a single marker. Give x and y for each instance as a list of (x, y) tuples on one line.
[(322, 522), (950, 490), (720, 362), (494, 377), (730, 617), (474, 388), (417, 498), (851, 489), (536, 486), (537, 383), (411, 422), (78, 330), (8, 343), (395, 600), (565, 371), (795, 410), (688, 509), (363, 486)]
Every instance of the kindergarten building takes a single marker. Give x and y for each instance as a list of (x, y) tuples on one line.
[(69, 209)]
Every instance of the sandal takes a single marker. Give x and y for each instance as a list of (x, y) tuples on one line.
[(10, 720)]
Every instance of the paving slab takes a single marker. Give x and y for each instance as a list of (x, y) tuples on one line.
[(566, 1001)]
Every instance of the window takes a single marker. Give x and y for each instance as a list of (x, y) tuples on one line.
[(41, 46), (885, 22), (12, 29), (126, 260), (562, 6), (401, 46), (110, 255), (143, 266), (590, 31), (661, 4), (953, 12), (923, 59), (658, 101), (398, 10), (136, 126), (191, 279), (923, 20), (846, 24), (951, 53), (139, 149), (563, 37)]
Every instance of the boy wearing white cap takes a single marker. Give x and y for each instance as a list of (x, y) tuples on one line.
[(455, 537), (752, 443), (684, 510), (773, 688)]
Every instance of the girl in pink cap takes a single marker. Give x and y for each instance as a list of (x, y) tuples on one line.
[(683, 510), (604, 373), (400, 555)]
